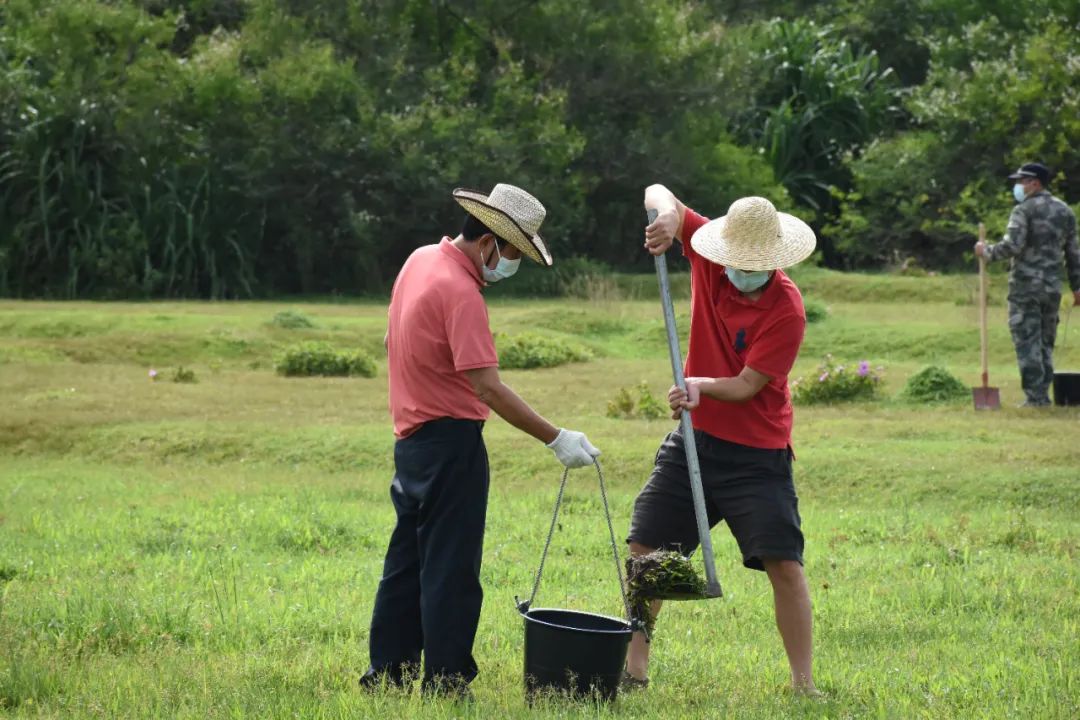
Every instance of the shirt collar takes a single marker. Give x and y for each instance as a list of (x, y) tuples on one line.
[(446, 247)]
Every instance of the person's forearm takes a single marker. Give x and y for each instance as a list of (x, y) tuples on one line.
[(728, 389), (510, 407), (659, 198), (1012, 244)]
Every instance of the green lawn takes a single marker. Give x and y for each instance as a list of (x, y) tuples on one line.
[(211, 550)]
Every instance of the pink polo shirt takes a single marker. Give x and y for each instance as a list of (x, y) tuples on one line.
[(438, 328)]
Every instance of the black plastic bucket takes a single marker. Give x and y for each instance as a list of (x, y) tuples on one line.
[(574, 652), (1067, 388)]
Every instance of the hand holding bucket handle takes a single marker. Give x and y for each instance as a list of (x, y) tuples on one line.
[(712, 588)]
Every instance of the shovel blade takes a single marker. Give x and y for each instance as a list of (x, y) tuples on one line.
[(986, 398)]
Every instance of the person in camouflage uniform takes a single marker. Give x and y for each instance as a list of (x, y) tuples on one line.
[(1041, 229)]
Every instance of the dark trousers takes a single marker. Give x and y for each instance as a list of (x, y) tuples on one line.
[(1033, 322), (429, 597)]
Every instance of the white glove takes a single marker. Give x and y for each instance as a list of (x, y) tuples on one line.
[(573, 449)]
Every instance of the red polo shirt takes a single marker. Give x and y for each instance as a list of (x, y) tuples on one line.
[(729, 332), (438, 328)]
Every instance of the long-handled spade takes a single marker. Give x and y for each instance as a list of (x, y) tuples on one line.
[(985, 397), (663, 579)]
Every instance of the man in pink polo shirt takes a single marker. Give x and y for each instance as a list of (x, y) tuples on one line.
[(444, 380), (746, 326)]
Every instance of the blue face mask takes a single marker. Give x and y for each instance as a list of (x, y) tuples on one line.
[(747, 281), (1018, 192), (503, 269)]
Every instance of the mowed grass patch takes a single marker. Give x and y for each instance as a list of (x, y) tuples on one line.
[(212, 550)]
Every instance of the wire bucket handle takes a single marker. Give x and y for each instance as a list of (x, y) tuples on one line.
[(523, 606)]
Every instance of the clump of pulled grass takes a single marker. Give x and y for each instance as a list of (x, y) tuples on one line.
[(659, 575)]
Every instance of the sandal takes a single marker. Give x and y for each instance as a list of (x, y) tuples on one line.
[(629, 683)]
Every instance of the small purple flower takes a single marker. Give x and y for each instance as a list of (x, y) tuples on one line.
[(864, 368), (153, 374), (824, 376)]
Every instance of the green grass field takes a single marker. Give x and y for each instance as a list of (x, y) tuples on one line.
[(211, 550)]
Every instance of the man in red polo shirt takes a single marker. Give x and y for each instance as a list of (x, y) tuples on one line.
[(444, 380), (746, 325)]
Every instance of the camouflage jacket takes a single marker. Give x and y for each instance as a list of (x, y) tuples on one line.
[(1041, 230)]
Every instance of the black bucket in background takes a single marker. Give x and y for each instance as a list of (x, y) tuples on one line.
[(574, 652), (1067, 388)]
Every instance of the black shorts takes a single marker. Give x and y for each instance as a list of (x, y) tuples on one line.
[(751, 488)]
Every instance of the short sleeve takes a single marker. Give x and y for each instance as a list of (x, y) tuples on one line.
[(469, 334), (692, 221), (774, 351)]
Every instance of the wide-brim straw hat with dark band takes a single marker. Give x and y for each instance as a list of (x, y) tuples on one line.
[(512, 214), (754, 236)]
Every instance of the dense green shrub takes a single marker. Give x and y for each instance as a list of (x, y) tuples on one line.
[(292, 320), (646, 406), (816, 311), (819, 98), (531, 350), (837, 383), (934, 384), (225, 148), (184, 375), (316, 358)]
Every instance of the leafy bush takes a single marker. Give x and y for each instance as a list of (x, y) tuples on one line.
[(530, 350), (646, 406), (184, 375), (292, 320), (622, 406), (837, 383), (316, 358), (934, 384), (815, 310)]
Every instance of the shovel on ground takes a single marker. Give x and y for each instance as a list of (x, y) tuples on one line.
[(985, 397), (661, 589)]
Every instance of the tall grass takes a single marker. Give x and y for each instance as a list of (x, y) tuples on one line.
[(212, 550)]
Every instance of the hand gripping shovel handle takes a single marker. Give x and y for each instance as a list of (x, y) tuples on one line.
[(712, 588)]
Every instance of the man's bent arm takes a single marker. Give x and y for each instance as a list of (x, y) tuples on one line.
[(1015, 237), (508, 405), (738, 389)]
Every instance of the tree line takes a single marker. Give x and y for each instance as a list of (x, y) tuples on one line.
[(251, 148)]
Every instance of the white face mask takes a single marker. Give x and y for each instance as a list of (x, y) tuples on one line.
[(1018, 192), (503, 269), (747, 282)]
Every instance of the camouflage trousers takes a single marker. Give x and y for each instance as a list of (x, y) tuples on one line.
[(1033, 322)]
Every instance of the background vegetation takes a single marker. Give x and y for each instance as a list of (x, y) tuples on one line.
[(252, 148)]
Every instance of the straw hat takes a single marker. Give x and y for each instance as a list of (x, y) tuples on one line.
[(754, 236), (512, 214)]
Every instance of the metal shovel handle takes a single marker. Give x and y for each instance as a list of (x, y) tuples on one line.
[(983, 344), (712, 588)]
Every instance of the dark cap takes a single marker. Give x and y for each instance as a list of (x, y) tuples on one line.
[(1033, 170)]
